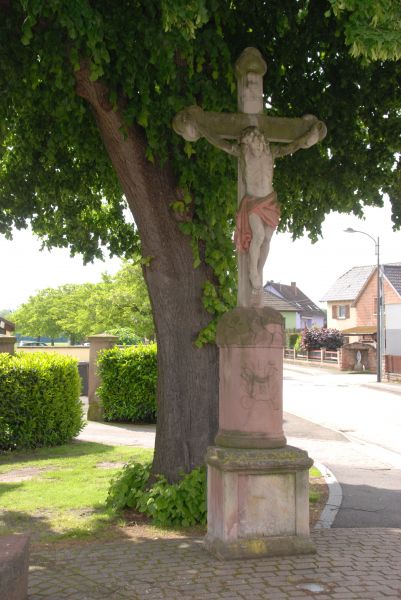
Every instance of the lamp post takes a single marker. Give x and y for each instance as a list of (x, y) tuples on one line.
[(379, 302)]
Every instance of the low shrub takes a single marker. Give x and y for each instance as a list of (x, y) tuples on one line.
[(294, 340), (331, 339), (180, 504), (129, 379), (316, 338), (39, 400)]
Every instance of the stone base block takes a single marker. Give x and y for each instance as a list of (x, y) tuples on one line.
[(259, 547), (95, 411), (258, 502), (14, 563)]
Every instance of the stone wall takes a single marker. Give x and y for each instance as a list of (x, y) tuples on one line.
[(349, 360), (81, 353)]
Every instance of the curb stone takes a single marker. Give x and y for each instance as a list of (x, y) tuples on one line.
[(334, 500)]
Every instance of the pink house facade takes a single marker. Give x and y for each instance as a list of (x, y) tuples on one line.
[(352, 301)]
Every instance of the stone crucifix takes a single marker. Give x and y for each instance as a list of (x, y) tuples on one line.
[(257, 140)]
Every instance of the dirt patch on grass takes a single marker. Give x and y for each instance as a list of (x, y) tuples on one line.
[(23, 474), (110, 465)]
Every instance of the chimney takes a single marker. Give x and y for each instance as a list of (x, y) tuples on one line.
[(294, 287)]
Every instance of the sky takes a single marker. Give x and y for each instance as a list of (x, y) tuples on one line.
[(314, 267)]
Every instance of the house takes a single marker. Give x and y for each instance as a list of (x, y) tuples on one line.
[(6, 327), (297, 309), (352, 301)]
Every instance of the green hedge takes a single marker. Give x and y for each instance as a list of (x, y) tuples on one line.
[(129, 379), (39, 400)]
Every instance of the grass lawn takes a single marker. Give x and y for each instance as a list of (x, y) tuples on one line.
[(58, 493)]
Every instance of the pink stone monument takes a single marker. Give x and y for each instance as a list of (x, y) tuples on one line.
[(258, 498)]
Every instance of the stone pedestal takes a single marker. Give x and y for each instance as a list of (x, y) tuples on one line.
[(258, 487), (14, 564), (258, 502), (250, 343), (97, 343), (7, 344)]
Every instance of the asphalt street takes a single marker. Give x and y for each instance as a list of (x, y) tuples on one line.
[(355, 431)]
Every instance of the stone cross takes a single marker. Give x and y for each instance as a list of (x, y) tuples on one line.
[(256, 140)]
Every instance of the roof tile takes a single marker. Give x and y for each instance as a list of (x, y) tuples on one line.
[(349, 285)]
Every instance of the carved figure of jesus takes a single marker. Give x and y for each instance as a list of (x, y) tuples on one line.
[(259, 213), (256, 140)]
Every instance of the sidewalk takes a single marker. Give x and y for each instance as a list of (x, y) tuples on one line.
[(350, 564)]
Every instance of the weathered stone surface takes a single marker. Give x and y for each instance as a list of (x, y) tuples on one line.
[(251, 387), (251, 497), (260, 547), (97, 343), (258, 502), (248, 135), (7, 344), (282, 460), (14, 562), (245, 326)]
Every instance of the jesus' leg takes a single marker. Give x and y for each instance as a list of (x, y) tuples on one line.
[(264, 249), (258, 236)]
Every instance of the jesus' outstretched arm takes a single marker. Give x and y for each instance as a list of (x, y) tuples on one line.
[(316, 133)]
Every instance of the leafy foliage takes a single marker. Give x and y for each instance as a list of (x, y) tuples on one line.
[(39, 400), (316, 338), (126, 336), (129, 378), (373, 27), (79, 310), (180, 504), (51, 152), (292, 339), (298, 343)]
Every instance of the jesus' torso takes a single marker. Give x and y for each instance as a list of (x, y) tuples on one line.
[(258, 172)]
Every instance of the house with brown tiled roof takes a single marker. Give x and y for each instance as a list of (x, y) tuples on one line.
[(298, 310), (352, 300)]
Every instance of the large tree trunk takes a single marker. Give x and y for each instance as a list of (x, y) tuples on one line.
[(187, 376)]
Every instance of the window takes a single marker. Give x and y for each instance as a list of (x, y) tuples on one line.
[(340, 311)]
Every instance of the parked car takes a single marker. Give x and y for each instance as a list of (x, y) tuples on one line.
[(23, 344)]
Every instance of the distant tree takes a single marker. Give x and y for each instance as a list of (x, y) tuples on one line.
[(38, 316), (74, 311), (79, 310), (123, 302)]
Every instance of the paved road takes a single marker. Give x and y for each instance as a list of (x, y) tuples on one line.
[(353, 404), (356, 432)]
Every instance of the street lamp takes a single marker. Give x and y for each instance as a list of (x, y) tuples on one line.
[(379, 302)]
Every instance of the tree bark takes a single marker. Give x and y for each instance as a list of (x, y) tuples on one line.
[(187, 394)]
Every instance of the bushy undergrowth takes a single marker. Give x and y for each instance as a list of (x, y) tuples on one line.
[(180, 504), (129, 379), (316, 338), (39, 400)]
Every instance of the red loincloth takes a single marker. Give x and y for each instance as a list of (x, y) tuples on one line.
[(267, 209)]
